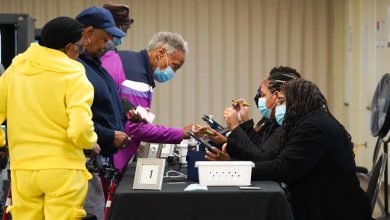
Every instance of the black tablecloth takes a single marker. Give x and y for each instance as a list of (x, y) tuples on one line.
[(224, 203)]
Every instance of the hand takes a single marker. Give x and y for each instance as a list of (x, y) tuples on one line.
[(96, 149), (243, 110), (215, 137), (231, 117), (121, 139), (216, 154), (134, 116), (186, 129)]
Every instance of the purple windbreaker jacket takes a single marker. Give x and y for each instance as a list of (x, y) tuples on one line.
[(136, 84)]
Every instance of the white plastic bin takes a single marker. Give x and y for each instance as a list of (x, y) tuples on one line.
[(225, 173)]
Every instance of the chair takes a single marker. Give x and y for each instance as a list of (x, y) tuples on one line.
[(375, 180), (363, 171)]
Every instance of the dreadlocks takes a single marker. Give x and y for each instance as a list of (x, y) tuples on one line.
[(302, 99)]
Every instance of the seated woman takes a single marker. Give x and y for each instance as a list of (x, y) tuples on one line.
[(249, 142), (316, 159)]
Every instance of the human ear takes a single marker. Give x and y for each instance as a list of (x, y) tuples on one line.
[(161, 51), (87, 34), (67, 48)]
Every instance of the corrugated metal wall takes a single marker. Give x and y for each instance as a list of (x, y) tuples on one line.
[(233, 45)]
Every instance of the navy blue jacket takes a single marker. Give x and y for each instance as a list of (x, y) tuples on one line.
[(107, 113), (137, 66)]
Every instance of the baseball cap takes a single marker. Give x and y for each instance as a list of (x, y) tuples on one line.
[(100, 18)]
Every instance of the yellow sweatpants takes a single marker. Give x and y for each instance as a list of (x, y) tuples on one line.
[(53, 194)]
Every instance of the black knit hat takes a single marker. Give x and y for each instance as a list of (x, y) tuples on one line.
[(120, 13), (60, 31)]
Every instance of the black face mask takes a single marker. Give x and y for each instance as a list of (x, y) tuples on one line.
[(257, 98)]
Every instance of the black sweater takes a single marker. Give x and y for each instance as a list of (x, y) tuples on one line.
[(244, 143), (318, 165)]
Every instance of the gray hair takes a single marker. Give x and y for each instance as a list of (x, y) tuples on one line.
[(168, 40)]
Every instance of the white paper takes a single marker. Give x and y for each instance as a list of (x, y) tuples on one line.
[(148, 116)]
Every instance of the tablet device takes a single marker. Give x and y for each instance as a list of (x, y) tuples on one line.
[(213, 124), (127, 105), (200, 140)]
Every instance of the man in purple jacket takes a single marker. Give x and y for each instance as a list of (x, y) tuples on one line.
[(135, 74)]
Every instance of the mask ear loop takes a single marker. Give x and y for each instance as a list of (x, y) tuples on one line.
[(275, 104), (166, 57)]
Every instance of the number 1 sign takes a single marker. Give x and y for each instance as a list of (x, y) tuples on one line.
[(149, 173)]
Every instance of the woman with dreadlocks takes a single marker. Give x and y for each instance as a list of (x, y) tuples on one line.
[(316, 159), (249, 142)]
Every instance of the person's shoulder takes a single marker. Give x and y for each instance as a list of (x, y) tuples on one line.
[(109, 55), (320, 116), (110, 59), (86, 63), (318, 120), (124, 53)]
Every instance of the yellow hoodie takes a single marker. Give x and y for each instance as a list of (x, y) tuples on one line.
[(46, 98)]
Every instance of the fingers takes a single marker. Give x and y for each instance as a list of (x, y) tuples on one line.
[(96, 149), (216, 154), (126, 141), (186, 129), (121, 139), (239, 117), (213, 152), (203, 131), (227, 112), (224, 147), (210, 156), (239, 104)]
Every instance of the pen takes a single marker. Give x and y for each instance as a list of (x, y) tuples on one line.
[(207, 131), (236, 102)]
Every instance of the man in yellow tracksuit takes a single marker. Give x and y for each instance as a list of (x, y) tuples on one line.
[(46, 97)]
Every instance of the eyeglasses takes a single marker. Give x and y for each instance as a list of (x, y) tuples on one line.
[(259, 93), (80, 48), (280, 100)]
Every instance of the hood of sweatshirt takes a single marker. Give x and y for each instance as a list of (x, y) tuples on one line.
[(38, 59)]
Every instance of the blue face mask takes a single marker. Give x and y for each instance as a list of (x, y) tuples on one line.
[(164, 75), (280, 112), (117, 41), (264, 111)]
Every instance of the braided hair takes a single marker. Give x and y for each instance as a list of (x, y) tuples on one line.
[(303, 98), (279, 75), (60, 31)]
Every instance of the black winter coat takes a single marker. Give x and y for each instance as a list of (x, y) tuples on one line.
[(244, 143), (318, 165)]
